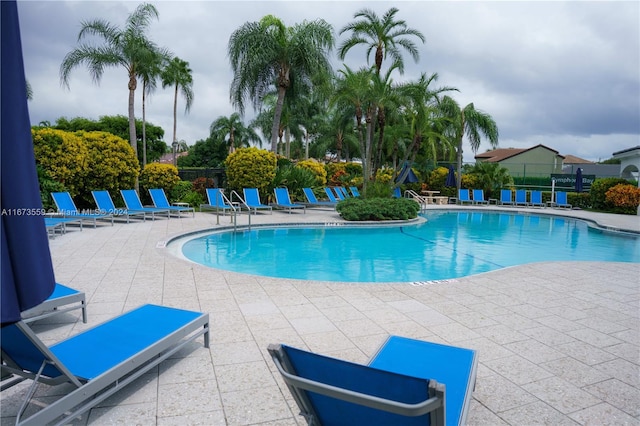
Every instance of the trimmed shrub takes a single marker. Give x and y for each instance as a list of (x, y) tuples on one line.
[(378, 209), (158, 175), (251, 168), (201, 184), (317, 169), (112, 164), (624, 198), (195, 199), (599, 190), (47, 186), (63, 156), (294, 178), (179, 191)]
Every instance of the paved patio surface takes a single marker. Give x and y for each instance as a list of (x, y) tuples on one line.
[(558, 342)]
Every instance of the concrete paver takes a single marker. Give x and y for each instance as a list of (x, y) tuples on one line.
[(558, 342)]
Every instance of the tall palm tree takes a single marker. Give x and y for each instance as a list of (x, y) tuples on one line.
[(382, 36), (127, 47), (267, 52), (177, 74), (470, 122), (149, 74), (233, 132)]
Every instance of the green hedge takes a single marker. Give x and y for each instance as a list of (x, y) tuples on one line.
[(377, 209)]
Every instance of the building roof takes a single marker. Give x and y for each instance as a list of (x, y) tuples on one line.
[(572, 159), (503, 153)]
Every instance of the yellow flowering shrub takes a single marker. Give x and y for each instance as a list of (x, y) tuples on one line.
[(63, 156), (624, 197), (316, 168), (251, 168), (112, 162), (158, 175)]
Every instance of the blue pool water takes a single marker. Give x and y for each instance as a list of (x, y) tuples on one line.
[(448, 245)]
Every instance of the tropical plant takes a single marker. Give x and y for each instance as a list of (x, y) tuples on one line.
[(111, 164), (624, 198), (317, 169), (267, 52), (233, 132), (127, 47), (294, 178), (177, 74), (118, 125), (383, 37), (158, 175), (492, 177), (251, 168), (63, 156), (149, 74), (470, 122)]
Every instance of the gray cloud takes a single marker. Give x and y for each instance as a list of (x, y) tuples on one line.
[(564, 74)]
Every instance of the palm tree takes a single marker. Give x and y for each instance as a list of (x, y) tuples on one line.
[(267, 52), (127, 47), (149, 73), (233, 132), (177, 73), (470, 122), (381, 36)]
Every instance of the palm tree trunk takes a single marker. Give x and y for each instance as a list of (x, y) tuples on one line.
[(132, 122), (277, 114), (144, 128), (461, 135)]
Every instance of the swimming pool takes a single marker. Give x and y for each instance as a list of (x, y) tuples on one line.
[(448, 245)]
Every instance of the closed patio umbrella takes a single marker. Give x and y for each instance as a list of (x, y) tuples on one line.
[(579, 180), (407, 175), (27, 277), (451, 178)]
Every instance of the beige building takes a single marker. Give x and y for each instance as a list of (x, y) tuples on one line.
[(525, 162)]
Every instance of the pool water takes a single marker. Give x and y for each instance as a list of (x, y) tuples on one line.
[(448, 245)]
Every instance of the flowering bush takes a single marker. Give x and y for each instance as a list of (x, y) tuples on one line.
[(250, 168), (624, 197), (158, 175), (316, 168), (63, 156), (112, 164)]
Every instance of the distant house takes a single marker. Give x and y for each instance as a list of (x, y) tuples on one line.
[(571, 164), (168, 158), (522, 162)]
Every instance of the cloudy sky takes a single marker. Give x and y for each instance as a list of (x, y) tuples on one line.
[(562, 74)]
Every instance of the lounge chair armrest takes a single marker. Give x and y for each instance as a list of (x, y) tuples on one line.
[(366, 400)]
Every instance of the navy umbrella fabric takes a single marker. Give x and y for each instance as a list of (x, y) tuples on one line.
[(409, 176), (27, 277), (451, 178), (579, 180)]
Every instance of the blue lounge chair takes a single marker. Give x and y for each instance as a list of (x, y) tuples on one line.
[(344, 191), (478, 197), (252, 200), (313, 200), (97, 362), (536, 199), (463, 196), (283, 200), (105, 205), (339, 194), (217, 201), (397, 192), (330, 195), (160, 201), (506, 197), (63, 299), (561, 200), (55, 224), (354, 191), (521, 197), (132, 201), (408, 382), (68, 209)]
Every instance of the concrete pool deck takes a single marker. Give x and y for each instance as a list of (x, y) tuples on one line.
[(558, 342)]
